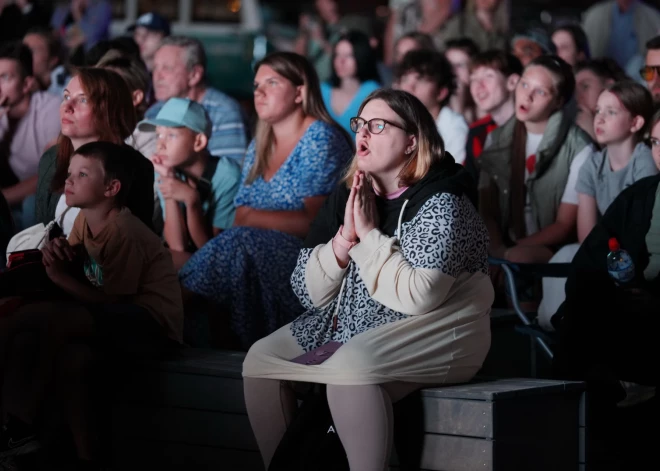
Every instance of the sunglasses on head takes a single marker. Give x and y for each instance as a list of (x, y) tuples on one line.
[(649, 72)]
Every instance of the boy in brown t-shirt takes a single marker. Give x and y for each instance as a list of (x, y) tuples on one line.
[(130, 304)]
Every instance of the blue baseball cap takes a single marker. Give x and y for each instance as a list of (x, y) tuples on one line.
[(153, 22), (179, 113)]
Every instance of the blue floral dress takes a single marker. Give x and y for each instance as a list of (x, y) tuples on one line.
[(247, 270)]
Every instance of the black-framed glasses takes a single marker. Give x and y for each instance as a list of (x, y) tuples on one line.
[(375, 126), (648, 72)]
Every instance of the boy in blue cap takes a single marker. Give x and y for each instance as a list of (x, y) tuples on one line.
[(196, 190)]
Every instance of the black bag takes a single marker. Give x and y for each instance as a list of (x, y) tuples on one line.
[(311, 442)]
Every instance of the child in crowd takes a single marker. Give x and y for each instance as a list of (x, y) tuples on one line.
[(591, 78), (530, 165), (460, 53), (196, 190), (493, 78), (623, 115), (429, 76), (130, 302)]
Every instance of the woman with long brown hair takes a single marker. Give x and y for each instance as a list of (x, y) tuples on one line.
[(293, 163), (394, 279), (97, 106)]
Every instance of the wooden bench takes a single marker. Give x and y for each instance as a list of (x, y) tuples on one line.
[(189, 414)]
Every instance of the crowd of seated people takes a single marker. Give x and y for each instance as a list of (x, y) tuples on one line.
[(352, 216)]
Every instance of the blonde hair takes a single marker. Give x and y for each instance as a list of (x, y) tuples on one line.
[(418, 122), (297, 70)]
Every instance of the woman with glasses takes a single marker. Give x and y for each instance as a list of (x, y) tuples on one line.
[(394, 279), (293, 163)]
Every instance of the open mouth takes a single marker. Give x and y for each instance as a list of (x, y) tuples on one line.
[(362, 148)]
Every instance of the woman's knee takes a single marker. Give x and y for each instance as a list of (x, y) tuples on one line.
[(257, 354), (354, 358)]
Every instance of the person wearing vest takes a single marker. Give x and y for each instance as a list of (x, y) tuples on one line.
[(530, 166)]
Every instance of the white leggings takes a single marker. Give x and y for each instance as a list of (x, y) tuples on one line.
[(362, 416)]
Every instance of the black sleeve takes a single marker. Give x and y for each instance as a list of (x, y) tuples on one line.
[(330, 217)]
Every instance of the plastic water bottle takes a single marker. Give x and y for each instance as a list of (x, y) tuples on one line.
[(619, 263)]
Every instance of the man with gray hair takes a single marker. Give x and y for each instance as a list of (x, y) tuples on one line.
[(179, 71)]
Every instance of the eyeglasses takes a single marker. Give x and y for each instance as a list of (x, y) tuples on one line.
[(375, 126), (649, 72)]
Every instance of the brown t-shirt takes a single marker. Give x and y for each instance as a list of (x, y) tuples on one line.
[(126, 259)]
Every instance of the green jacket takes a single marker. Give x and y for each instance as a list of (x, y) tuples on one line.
[(46, 201), (546, 187)]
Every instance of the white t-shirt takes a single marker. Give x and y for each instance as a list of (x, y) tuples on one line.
[(531, 146), (454, 132), (69, 217)]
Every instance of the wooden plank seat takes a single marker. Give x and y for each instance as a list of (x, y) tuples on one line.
[(189, 413)]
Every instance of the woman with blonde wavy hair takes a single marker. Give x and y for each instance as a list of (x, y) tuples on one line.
[(296, 159), (394, 277)]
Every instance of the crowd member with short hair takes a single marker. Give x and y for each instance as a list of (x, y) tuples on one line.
[(651, 70), (125, 302), (28, 122), (460, 53), (293, 163), (394, 266), (148, 32), (180, 71), (531, 44), (196, 190), (571, 43), (97, 106), (493, 78), (47, 65), (411, 42), (591, 78), (354, 76), (530, 166), (485, 22), (429, 76)]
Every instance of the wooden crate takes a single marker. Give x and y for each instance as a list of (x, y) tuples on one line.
[(190, 414)]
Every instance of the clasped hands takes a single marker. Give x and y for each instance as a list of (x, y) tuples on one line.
[(361, 214), (57, 256)]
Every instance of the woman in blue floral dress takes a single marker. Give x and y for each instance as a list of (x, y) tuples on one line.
[(294, 162)]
